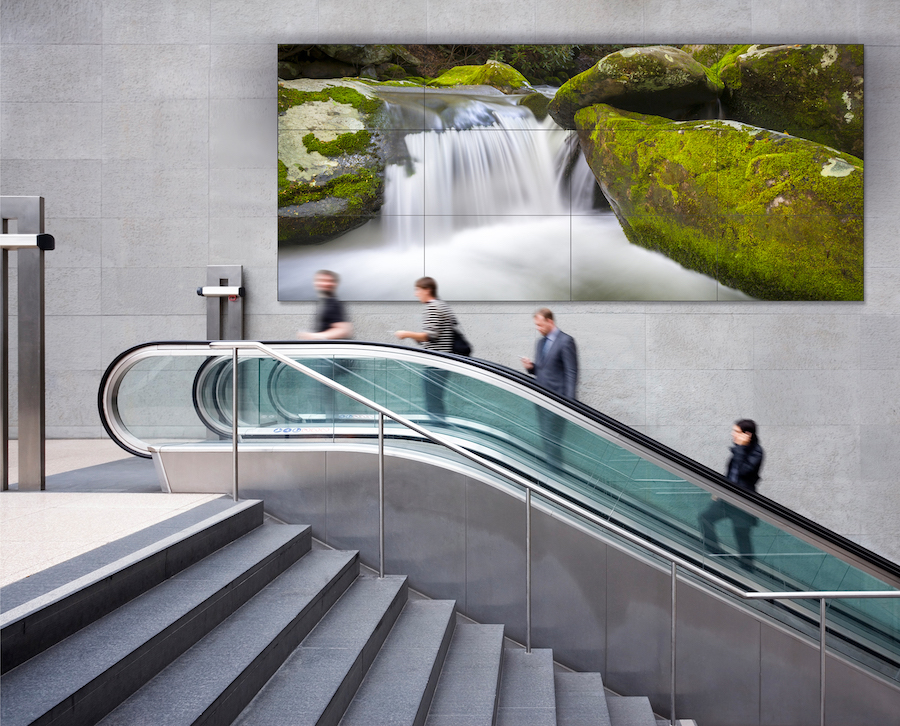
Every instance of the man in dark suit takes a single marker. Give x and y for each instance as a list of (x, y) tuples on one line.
[(555, 366)]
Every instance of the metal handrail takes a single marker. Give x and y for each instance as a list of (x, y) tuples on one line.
[(675, 561)]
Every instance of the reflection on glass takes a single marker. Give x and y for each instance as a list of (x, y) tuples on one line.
[(188, 398)]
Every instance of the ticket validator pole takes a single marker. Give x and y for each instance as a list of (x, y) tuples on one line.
[(30, 242), (224, 293)]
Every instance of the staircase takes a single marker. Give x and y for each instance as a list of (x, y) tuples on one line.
[(235, 621)]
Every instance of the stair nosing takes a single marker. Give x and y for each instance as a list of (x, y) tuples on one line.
[(212, 710), (35, 605), (164, 631)]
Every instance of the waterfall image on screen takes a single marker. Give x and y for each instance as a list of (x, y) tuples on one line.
[(572, 172)]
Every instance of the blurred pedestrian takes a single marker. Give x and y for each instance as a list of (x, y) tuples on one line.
[(742, 471), (555, 367), (332, 322), (438, 322)]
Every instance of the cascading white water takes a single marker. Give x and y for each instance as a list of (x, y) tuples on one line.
[(487, 202)]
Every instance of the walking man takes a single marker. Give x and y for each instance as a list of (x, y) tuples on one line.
[(332, 322), (555, 367)]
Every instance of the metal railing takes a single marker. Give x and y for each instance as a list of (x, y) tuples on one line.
[(675, 562)]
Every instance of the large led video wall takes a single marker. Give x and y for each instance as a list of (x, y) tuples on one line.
[(572, 172)]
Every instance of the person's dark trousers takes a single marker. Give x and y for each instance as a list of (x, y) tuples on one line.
[(434, 381), (742, 523), (552, 428)]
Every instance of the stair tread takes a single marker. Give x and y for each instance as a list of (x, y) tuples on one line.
[(630, 711), (187, 688), (396, 685), (527, 688), (581, 700), (41, 583), (49, 678), (318, 680), (467, 691)]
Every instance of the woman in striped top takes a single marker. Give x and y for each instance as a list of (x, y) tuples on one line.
[(438, 322)]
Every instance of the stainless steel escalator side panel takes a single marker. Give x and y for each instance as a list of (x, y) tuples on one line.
[(602, 605), (418, 357)]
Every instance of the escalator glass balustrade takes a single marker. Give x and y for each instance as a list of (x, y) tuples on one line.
[(178, 394)]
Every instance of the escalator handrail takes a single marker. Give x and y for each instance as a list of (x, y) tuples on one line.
[(549, 494), (716, 481)]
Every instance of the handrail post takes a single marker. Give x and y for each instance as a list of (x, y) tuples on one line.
[(822, 604), (674, 571), (234, 423), (528, 570), (380, 494)]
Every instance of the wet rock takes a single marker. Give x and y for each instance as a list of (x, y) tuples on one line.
[(538, 103), (812, 91), (775, 216), (331, 159), (499, 75), (391, 71), (657, 79)]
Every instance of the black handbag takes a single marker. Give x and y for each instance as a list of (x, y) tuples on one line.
[(461, 346)]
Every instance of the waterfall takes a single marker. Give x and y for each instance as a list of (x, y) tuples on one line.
[(466, 178), (495, 205)]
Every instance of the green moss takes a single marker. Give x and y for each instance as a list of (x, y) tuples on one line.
[(812, 91), (404, 82), (728, 57), (360, 189), (289, 97), (746, 206), (537, 103), (357, 143), (654, 79), (493, 73)]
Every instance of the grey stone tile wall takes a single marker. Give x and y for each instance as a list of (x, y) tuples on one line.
[(150, 130)]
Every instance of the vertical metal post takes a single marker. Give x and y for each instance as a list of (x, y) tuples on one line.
[(224, 317), (674, 569), (822, 603), (32, 419), (235, 393), (380, 494), (4, 368), (29, 215), (528, 570)]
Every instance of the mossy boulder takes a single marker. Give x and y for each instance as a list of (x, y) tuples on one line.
[(706, 54), (493, 73), (775, 216), (812, 91), (537, 103), (330, 159), (657, 79)]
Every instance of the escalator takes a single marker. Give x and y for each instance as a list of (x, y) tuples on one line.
[(170, 399)]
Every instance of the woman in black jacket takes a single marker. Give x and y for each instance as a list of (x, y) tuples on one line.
[(743, 471)]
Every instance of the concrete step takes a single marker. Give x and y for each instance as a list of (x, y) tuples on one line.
[(82, 678), (581, 700), (215, 680), (527, 688), (469, 686), (320, 678), (52, 605), (630, 711), (400, 684)]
